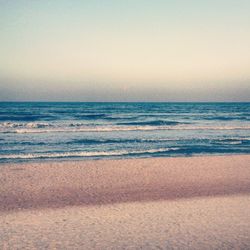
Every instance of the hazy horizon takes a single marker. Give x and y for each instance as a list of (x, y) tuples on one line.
[(131, 51)]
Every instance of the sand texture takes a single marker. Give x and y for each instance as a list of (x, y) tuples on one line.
[(157, 203)]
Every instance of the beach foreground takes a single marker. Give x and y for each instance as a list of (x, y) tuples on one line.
[(156, 203)]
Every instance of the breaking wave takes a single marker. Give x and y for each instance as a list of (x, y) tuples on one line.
[(123, 128), (150, 123), (25, 125), (85, 154)]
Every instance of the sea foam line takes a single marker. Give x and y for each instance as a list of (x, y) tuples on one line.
[(125, 128), (84, 154)]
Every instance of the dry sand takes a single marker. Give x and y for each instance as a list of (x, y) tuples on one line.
[(170, 203)]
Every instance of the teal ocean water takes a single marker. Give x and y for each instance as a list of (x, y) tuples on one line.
[(35, 131)]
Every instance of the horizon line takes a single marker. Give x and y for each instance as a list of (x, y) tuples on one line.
[(124, 101)]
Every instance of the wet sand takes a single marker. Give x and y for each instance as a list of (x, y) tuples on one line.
[(156, 203)]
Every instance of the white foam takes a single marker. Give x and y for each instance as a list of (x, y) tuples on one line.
[(235, 142), (25, 125), (83, 154), (37, 125), (11, 124), (127, 128)]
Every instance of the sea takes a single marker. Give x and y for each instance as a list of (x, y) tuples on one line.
[(35, 131)]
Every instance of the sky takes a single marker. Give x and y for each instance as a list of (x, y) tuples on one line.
[(125, 50)]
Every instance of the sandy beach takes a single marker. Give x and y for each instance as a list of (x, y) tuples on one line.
[(154, 203)]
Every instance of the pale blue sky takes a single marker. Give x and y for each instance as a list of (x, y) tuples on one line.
[(125, 50)]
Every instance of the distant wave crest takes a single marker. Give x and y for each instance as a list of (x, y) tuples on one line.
[(150, 123), (121, 128), (25, 125)]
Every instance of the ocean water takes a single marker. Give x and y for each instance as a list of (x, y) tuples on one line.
[(49, 131)]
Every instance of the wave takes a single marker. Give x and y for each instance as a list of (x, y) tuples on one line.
[(25, 125), (85, 154), (114, 118), (38, 125), (150, 123), (108, 141), (27, 118), (183, 141), (233, 141), (90, 116), (226, 118), (123, 128), (101, 141), (108, 117)]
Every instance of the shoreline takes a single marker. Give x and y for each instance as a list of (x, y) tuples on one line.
[(90, 159), (102, 182)]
